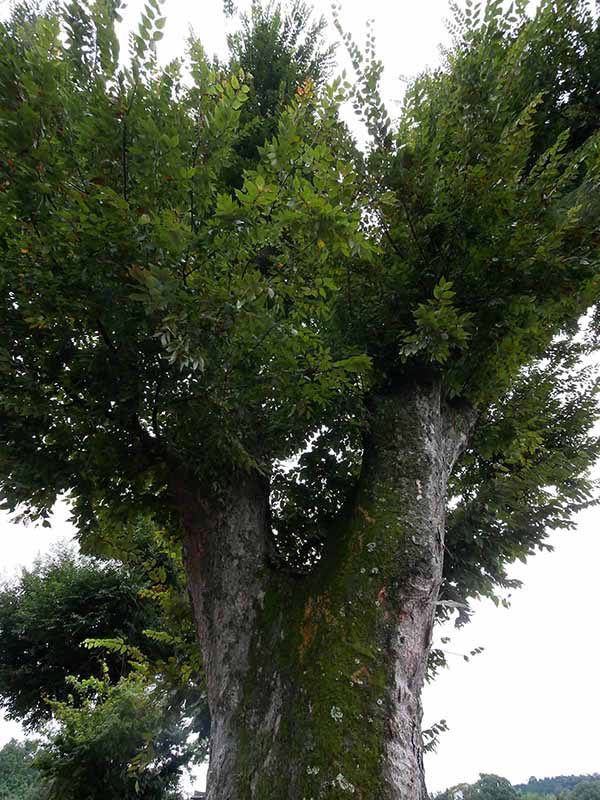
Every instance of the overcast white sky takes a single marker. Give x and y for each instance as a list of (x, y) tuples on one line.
[(529, 705)]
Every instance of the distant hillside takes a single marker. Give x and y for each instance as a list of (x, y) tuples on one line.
[(560, 783)]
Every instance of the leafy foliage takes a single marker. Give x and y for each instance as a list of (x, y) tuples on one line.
[(493, 787), (177, 329), (525, 474), (46, 615), (165, 647), (18, 777), (487, 218), (488, 787), (126, 632), (87, 617), (586, 790), (469, 286), (283, 53), (476, 203), (114, 740)]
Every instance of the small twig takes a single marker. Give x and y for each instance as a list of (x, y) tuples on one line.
[(412, 228), (105, 337), (155, 424), (124, 163)]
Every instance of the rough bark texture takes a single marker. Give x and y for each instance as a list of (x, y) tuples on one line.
[(315, 683), (225, 548)]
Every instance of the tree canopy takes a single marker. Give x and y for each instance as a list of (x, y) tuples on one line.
[(488, 787), (494, 787), (238, 320), (586, 790), (554, 785), (157, 319), (282, 49), (114, 740)]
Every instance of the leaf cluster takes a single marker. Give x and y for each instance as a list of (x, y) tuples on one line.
[(149, 304), (113, 740)]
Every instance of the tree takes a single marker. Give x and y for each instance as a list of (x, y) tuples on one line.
[(403, 325), (114, 740), (95, 619), (558, 784), (488, 787), (48, 613), (491, 787), (18, 778), (586, 790)]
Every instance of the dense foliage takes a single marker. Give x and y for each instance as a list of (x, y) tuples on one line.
[(157, 320), (586, 790), (114, 740), (488, 787), (18, 778), (48, 612), (160, 318), (281, 50), (477, 245), (125, 632), (555, 785)]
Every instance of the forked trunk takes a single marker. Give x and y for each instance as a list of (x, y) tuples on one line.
[(315, 683)]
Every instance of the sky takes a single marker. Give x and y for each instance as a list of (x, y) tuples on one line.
[(529, 704)]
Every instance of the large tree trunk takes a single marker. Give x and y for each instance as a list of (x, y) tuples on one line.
[(314, 684)]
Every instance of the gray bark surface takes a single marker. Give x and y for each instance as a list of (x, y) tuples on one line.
[(415, 445), (224, 552)]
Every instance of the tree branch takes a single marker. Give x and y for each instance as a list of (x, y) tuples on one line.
[(105, 336)]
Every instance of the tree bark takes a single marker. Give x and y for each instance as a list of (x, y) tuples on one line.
[(314, 684), (225, 550)]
